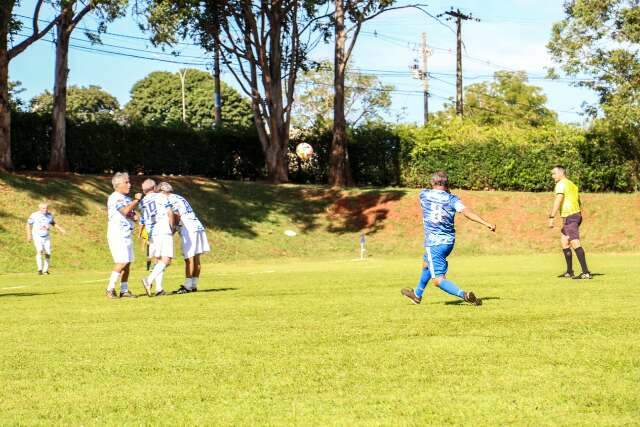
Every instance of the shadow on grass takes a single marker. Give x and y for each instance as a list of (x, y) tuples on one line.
[(26, 294), (233, 207), (206, 290), (460, 302)]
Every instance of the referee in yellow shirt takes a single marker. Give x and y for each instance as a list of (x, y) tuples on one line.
[(567, 203)]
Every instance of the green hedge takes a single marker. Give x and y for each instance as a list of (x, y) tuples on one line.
[(501, 157), (105, 147)]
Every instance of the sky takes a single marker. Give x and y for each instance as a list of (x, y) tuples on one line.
[(511, 35)]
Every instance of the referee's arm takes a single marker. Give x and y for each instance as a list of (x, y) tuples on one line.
[(557, 202)]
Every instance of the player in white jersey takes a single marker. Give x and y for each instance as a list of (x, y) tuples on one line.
[(38, 226), (162, 238), (121, 214), (148, 210), (194, 241)]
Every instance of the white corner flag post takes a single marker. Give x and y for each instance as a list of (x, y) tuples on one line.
[(363, 250)]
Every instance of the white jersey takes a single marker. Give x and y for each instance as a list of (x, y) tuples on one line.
[(148, 211), (188, 219), (120, 226), (40, 224), (162, 225)]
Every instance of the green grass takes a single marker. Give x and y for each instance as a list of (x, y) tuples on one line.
[(326, 342)]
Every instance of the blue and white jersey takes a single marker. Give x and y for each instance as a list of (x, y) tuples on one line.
[(438, 211), (40, 224), (188, 219), (120, 226), (162, 224), (148, 211)]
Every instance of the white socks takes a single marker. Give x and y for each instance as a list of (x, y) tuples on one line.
[(156, 274), (39, 261), (124, 287), (188, 283), (45, 268), (194, 282), (112, 280)]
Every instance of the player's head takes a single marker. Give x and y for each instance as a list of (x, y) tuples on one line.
[(440, 180), (148, 186), (558, 172), (165, 187), (120, 182), (43, 207)]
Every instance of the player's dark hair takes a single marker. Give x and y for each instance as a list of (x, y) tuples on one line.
[(440, 179)]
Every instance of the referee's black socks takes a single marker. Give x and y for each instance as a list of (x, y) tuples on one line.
[(581, 258), (569, 259)]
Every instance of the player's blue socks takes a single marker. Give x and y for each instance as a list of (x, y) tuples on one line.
[(422, 284), (449, 287)]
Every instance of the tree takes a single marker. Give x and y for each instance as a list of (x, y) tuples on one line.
[(598, 43), (508, 98), (156, 100), (9, 25), (262, 45), (71, 13), (366, 98), (15, 103), (84, 104)]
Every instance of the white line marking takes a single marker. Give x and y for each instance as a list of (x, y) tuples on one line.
[(15, 287)]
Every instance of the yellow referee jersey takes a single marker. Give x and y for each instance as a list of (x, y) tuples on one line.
[(571, 203)]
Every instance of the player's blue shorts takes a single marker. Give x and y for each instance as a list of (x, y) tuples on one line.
[(435, 258)]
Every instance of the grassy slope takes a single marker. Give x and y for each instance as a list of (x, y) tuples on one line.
[(247, 220), (327, 343)]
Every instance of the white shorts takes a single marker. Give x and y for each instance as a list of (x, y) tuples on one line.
[(121, 249), (194, 243), (162, 246), (42, 244)]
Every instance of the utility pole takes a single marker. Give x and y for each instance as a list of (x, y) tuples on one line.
[(420, 72), (459, 17), (183, 75), (425, 78), (216, 86)]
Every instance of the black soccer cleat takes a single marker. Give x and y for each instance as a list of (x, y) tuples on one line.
[(194, 289), (111, 294), (566, 275), (46, 272), (411, 295), (582, 276), (470, 297), (182, 290), (39, 272), (160, 293)]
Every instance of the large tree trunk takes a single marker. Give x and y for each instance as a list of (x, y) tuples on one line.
[(58, 161), (339, 169), (5, 111)]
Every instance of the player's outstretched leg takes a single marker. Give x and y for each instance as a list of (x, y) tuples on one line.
[(452, 289)]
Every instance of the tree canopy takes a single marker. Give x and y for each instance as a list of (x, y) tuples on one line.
[(85, 104), (508, 98), (157, 100)]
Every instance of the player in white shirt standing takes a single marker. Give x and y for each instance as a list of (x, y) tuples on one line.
[(38, 226), (121, 213), (162, 238), (194, 241), (148, 211)]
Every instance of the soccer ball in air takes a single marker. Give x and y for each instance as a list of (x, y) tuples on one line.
[(304, 151)]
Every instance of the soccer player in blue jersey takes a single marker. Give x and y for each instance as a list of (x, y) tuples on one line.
[(439, 208)]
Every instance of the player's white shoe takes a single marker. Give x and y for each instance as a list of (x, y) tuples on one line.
[(147, 286)]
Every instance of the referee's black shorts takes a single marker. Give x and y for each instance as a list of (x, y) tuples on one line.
[(571, 226)]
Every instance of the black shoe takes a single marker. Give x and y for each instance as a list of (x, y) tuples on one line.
[(46, 272), (470, 297), (111, 294), (567, 275), (194, 289), (127, 294), (182, 290), (581, 276), (409, 293), (39, 272), (160, 293)]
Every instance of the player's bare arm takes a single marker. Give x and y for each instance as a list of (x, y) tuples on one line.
[(557, 202), (471, 215), (60, 228)]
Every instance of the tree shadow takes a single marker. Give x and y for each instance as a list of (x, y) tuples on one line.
[(365, 211), (26, 294)]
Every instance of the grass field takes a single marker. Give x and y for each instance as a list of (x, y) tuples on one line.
[(327, 342)]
